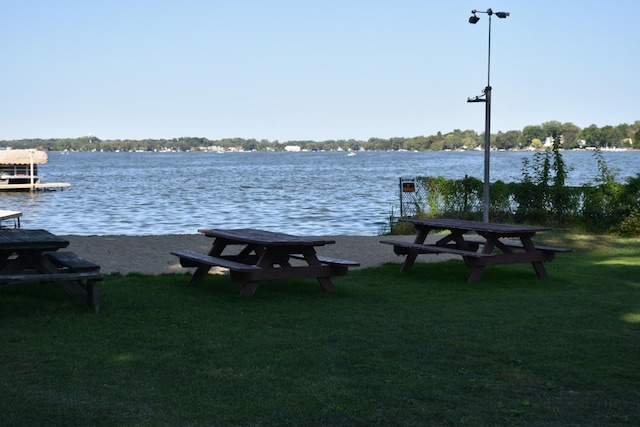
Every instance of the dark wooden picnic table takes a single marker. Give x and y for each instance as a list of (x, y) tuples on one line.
[(253, 255), (32, 256), (479, 243)]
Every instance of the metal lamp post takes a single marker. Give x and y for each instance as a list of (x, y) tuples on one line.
[(487, 112)]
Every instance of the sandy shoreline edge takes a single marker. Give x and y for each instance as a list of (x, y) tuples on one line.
[(151, 254)]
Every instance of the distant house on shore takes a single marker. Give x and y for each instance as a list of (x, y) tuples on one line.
[(292, 148)]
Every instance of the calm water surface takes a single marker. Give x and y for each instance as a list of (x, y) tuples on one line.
[(324, 193)]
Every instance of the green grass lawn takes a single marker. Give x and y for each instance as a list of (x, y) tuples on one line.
[(390, 349)]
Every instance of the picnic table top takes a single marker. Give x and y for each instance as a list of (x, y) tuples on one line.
[(264, 237), (21, 238)]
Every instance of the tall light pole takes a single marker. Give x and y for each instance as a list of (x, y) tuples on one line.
[(487, 110)]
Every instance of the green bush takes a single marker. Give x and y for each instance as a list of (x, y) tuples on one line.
[(540, 198), (630, 226)]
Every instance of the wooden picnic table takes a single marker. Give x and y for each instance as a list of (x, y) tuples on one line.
[(253, 255), (493, 244), (33, 256)]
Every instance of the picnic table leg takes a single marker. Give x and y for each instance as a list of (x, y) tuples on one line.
[(75, 290), (477, 270), (92, 295), (311, 258), (327, 285), (538, 266), (200, 272), (475, 275), (408, 262), (266, 260), (411, 257), (422, 235), (249, 289), (216, 250)]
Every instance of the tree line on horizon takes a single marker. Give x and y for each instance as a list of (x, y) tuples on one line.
[(533, 136)]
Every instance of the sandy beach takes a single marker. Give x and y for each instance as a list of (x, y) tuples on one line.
[(151, 254)]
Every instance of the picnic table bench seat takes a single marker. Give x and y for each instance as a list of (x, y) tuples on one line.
[(71, 261), (195, 259), (518, 245), (251, 271), (473, 258), (87, 280), (22, 277), (403, 248), (331, 261)]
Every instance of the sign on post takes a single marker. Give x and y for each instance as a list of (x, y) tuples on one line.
[(407, 185)]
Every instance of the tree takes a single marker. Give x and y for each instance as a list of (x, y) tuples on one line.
[(378, 144), (570, 135), (609, 137), (452, 141), (418, 143), (536, 143), (529, 133), (470, 140), (250, 145), (591, 135), (508, 140), (626, 133), (552, 128)]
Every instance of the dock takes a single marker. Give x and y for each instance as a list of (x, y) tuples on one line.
[(19, 171), (51, 186), (10, 215)]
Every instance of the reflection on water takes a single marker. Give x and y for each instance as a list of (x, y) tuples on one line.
[(302, 193)]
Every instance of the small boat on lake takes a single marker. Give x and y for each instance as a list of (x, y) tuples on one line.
[(19, 170)]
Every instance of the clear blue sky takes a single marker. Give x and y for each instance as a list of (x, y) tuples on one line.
[(311, 70)]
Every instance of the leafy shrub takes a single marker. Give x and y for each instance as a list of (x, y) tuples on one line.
[(540, 198), (630, 226)]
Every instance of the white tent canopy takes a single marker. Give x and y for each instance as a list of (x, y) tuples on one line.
[(22, 157)]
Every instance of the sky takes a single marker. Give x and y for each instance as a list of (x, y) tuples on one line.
[(317, 70)]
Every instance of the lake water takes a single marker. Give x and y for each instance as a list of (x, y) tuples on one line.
[(313, 193)]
